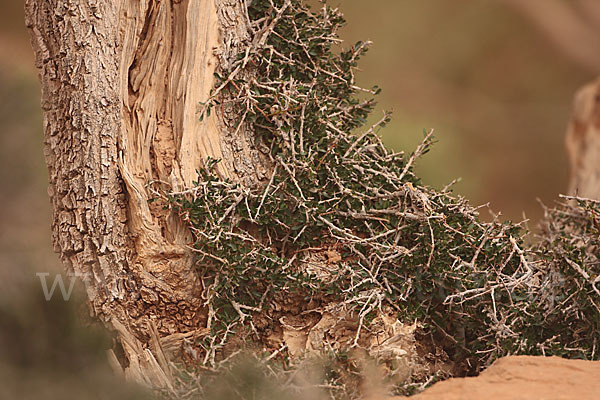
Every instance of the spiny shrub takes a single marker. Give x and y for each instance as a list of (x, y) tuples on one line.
[(424, 253), (567, 304)]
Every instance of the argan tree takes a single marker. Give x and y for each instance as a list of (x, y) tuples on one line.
[(216, 188)]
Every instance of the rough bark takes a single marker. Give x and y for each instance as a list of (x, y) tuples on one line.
[(122, 81), (583, 142)]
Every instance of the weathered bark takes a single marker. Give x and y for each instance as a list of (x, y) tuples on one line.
[(583, 143), (122, 81)]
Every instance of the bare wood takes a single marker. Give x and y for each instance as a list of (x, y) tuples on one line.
[(122, 81), (583, 142)]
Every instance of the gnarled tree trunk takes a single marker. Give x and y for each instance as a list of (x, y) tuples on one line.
[(122, 83)]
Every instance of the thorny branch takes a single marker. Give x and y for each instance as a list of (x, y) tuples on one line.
[(477, 290)]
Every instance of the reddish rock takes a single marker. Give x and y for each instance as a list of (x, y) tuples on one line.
[(524, 378)]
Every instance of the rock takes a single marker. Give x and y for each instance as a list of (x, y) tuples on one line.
[(523, 378)]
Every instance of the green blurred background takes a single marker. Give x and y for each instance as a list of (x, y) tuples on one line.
[(496, 90)]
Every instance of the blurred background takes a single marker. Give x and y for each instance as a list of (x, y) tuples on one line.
[(494, 78)]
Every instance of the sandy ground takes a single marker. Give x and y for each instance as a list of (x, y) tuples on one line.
[(524, 378)]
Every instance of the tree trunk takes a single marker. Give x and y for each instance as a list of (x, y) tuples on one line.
[(122, 82), (583, 143)]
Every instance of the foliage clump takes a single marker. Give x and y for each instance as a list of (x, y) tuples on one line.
[(567, 317), (397, 244)]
